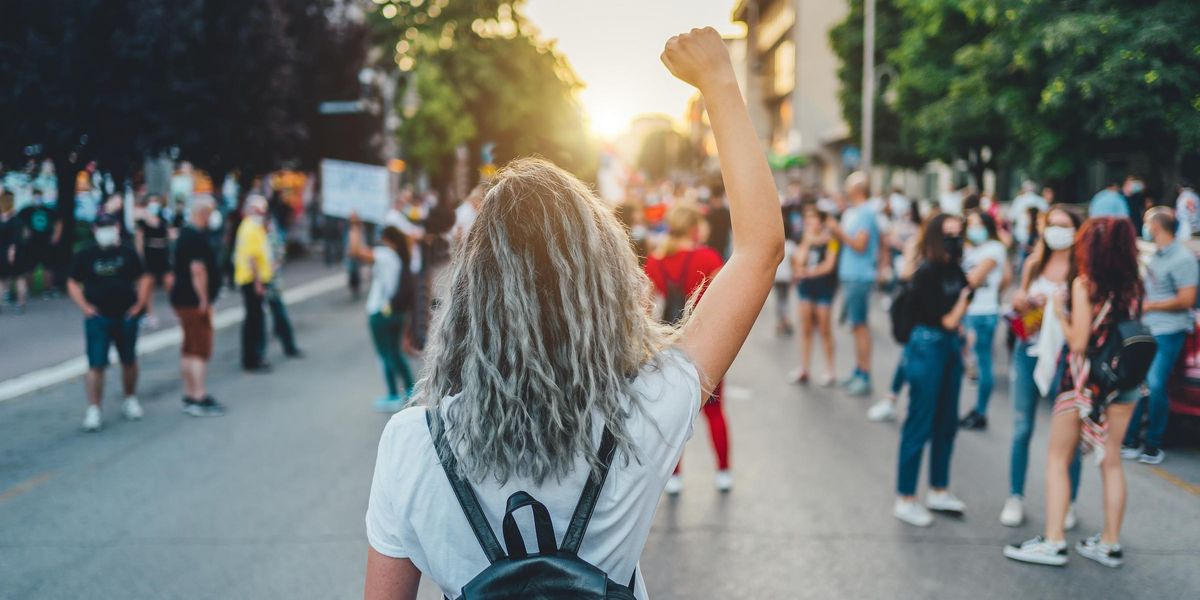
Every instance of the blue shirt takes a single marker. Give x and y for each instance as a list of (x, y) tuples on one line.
[(1170, 269), (859, 266), (1107, 203)]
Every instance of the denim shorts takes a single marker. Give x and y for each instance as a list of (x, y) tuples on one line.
[(822, 296), (101, 332), (856, 301)]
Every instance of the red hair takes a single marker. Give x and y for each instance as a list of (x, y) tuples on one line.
[(1106, 252)]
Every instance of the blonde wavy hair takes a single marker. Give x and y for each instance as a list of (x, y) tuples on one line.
[(547, 320)]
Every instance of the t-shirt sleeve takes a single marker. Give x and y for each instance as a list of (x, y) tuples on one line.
[(672, 401), (709, 261), (383, 524)]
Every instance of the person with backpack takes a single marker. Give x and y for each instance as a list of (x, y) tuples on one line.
[(936, 303), (985, 261), (1098, 389), (680, 270), (1048, 271), (1171, 278), (389, 303), (549, 385)]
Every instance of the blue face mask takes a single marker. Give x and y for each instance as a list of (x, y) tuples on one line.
[(977, 235), (1146, 233)]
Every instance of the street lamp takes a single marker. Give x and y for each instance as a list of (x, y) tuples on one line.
[(868, 83)]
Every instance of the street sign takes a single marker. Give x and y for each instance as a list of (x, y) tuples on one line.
[(342, 107), (354, 187)]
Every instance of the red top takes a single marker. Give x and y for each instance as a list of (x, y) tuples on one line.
[(703, 263)]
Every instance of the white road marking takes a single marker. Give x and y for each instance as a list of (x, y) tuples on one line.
[(48, 376)]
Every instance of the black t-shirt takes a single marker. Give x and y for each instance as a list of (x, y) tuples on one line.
[(936, 289), (719, 228), (109, 277), (192, 245), (40, 221)]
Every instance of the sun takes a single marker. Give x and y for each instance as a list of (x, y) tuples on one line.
[(604, 121)]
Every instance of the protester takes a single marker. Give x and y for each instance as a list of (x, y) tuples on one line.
[(1171, 279), (591, 360), (1134, 190), (985, 262), (151, 238), (465, 215), (45, 230), (254, 271), (1187, 210), (1109, 202), (194, 288), (386, 312), (1046, 274), (815, 268), (1019, 217), (719, 226), (858, 237), (680, 270), (12, 254), (933, 368), (1105, 292), (111, 288)]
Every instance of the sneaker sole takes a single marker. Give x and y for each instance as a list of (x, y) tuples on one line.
[(1151, 461), (1035, 560), (1100, 558), (911, 522), (950, 512)]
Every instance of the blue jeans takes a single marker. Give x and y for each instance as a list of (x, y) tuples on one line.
[(1025, 399), (1169, 347), (933, 365), (984, 328)]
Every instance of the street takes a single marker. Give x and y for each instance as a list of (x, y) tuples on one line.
[(268, 502)]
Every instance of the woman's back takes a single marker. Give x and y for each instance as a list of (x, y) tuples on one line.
[(413, 512)]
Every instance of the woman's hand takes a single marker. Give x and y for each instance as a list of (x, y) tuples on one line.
[(699, 58)]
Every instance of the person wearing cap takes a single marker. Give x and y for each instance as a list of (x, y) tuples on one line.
[(111, 287)]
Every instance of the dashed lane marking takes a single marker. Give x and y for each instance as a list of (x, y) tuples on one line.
[(48, 376), (1175, 480), (25, 486)]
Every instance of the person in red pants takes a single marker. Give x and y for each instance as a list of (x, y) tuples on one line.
[(681, 269)]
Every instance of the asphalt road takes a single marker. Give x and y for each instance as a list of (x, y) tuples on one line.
[(268, 501)]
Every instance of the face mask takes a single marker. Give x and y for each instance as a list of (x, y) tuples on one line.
[(154, 208), (1136, 187), (107, 236), (214, 220), (977, 235), (1059, 238), (1146, 233), (954, 247)]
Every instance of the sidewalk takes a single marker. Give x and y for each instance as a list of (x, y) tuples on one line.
[(51, 330)]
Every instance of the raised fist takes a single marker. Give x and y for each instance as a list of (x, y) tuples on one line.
[(699, 57)]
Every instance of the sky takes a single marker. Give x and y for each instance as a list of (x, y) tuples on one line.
[(614, 47)]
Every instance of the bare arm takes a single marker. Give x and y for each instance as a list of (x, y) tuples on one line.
[(857, 242), (828, 264), (145, 285), (723, 318), (978, 276), (1078, 325), (358, 250), (1185, 299), (75, 291), (390, 578), (952, 319)]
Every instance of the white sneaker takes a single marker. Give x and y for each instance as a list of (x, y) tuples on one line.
[(945, 502), (827, 380), (912, 513), (674, 485), (1070, 521), (1095, 549), (92, 419), (132, 409), (1013, 513), (724, 480), (1131, 452), (1038, 551), (884, 410), (798, 376)]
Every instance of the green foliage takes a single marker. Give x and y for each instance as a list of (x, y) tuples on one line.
[(482, 77), (1047, 85)]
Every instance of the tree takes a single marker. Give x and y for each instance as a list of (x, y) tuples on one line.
[(483, 77)]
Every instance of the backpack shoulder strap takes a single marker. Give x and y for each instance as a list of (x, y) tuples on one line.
[(587, 500), (466, 496)]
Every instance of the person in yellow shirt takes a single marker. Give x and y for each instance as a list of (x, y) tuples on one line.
[(254, 273)]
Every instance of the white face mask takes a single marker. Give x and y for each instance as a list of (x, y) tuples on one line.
[(214, 219), (1059, 238), (107, 237)]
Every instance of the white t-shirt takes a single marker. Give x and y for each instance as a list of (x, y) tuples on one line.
[(464, 218), (951, 203), (385, 276), (414, 514), (987, 296), (1187, 210), (398, 220)]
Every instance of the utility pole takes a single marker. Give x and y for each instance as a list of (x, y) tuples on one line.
[(868, 86)]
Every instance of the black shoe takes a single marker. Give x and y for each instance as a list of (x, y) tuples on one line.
[(203, 408), (296, 353), (263, 367), (973, 421)]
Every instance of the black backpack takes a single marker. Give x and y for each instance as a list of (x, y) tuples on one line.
[(405, 296), (1121, 363), (676, 297), (903, 312), (553, 572)]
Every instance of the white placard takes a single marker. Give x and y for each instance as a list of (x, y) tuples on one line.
[(354, 187)]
